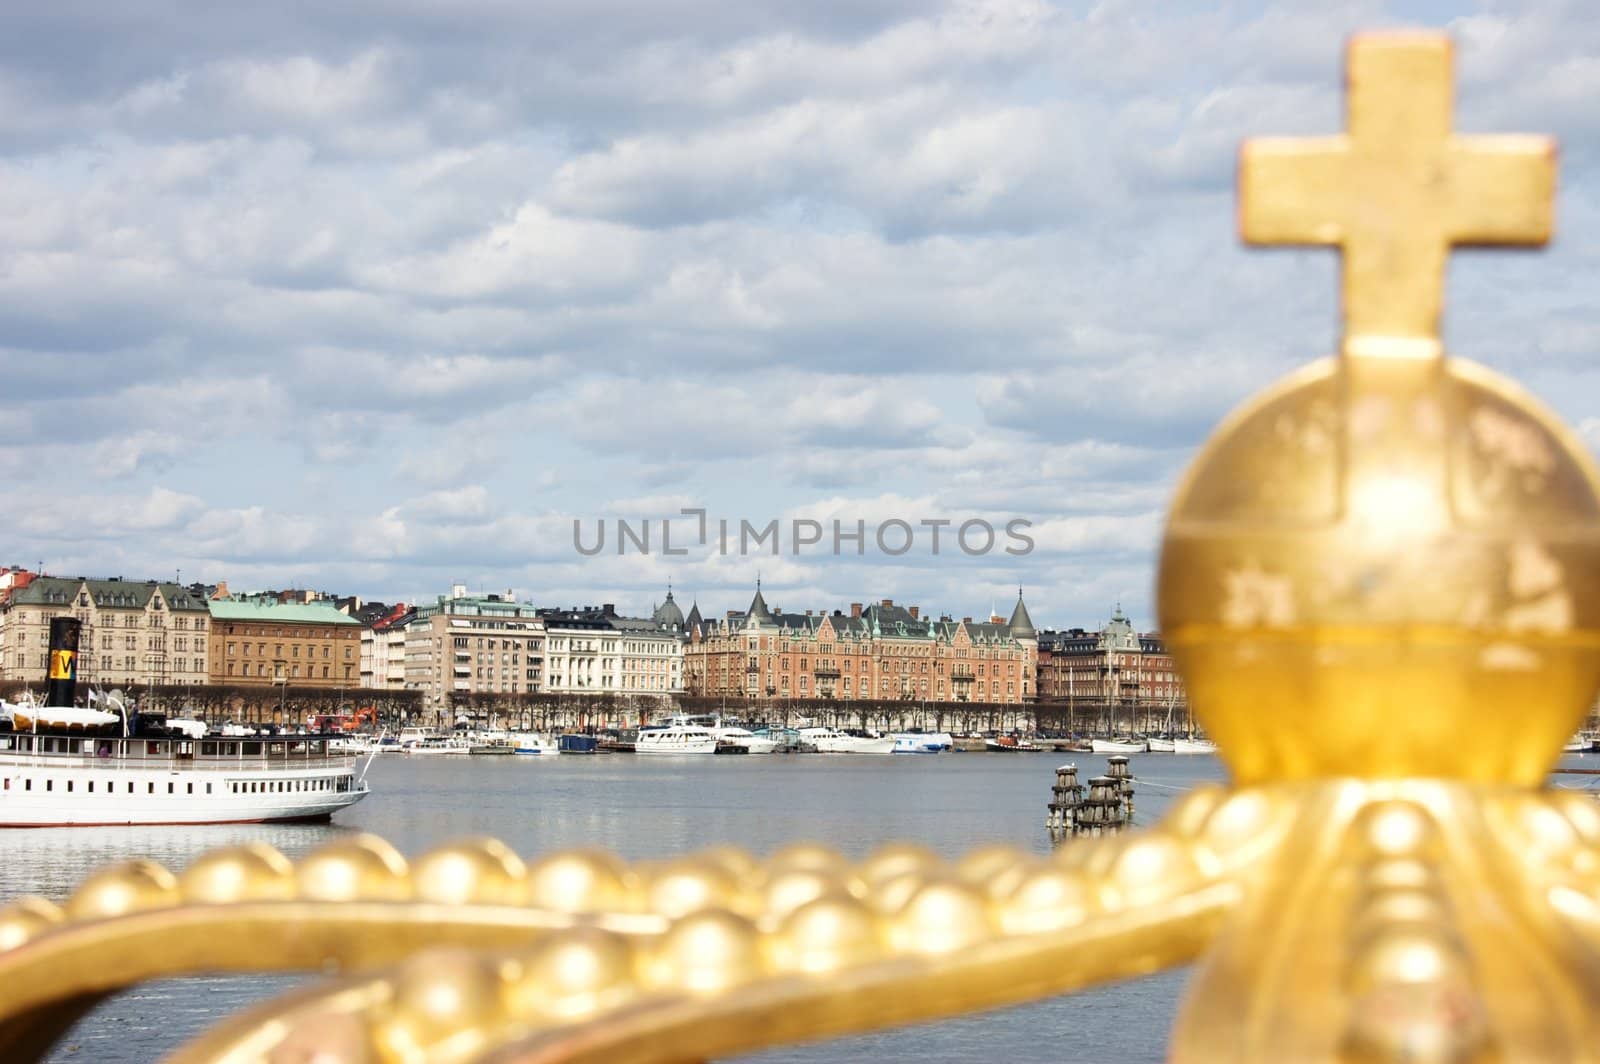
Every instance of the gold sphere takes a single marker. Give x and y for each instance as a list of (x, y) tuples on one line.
[(572, 974), (1149, 867), (1397, 829), (360, 868), (707, 952), (1049, 899), (897, 859), (812, 856), (579, 881), (736, 862), (25, 919), (827, 933), (983, 866), (1581, 811), (253, 871), (119, 889), (943, 916), (474, 871), (789, 890), (444, 1001), (1371, 561), (687, 885)]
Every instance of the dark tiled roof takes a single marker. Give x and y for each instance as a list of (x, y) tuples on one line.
[(107, 594)]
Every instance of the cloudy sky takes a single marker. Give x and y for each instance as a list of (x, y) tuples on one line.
[(381, 297)]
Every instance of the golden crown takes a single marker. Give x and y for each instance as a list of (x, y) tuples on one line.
[(1381, 580)]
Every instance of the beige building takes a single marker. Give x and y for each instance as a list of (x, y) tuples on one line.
[(468, 644), (134, 634), (593, 651), (261, 641)]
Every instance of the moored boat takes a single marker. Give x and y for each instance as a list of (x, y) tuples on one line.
[(833, 741), (1118, 746), (675, 739), (1193, 746), (1157, 745)]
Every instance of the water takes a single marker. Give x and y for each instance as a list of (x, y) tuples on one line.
[(644, 807)]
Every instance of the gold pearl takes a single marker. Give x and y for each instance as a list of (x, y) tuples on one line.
[(1390, 911), (572, 974), (1245, 826), (25, 919), (444, 1002), (789, 890), (1580, 809), (475, 871), (811, 856), (688, 885), (251, 872), (943, 916), (1398, 874), (736, 862), (891, 895), (1151, 867), (360, 868), (707, 952), (895, 860), (1050, 899), (1396, 828), (327, 1037), (1188, 815), (579, 881), (1407, 954), (826, 934), (119, 889), (980, 866)]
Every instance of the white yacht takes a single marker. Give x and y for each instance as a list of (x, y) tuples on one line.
[(833, 741), (1157, 745), (1193, 746), (54, 778), (675, 739), (435, 745)]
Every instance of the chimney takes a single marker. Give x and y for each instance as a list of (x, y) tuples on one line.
[(458, 591), (855, 609), (609, 609), (808, 613), (966, 620), (914, 611), (222, 590), (887, 603)]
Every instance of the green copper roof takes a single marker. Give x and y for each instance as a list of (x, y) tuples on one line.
[(291, 613)]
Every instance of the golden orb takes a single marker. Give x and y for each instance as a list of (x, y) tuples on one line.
[(833, 931), (251, 872), (1387, 569), (572, 974), (942, 916), (482, 871), (579, 881), (360, 868), (119, 889), (1050, 899), (25, 918), (444, 1002), (707, 952)]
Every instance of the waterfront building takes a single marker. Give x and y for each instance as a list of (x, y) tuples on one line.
[(383, 645), (473, 644), (258, 640), (134, 633), (879, 652), (594, 651), (1118, 669)]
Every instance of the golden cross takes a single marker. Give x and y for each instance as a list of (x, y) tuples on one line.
[(1397, 191)]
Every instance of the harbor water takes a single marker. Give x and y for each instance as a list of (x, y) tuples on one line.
[(650, 808)]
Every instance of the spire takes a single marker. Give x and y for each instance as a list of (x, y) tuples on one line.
[(758, 611), (694, 619), (1021, 624)]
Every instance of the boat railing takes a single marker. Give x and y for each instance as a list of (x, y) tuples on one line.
[(178, 755)]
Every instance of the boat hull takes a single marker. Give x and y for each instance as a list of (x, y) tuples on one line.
[(1194, 746), (1114, 746), (242, 798)]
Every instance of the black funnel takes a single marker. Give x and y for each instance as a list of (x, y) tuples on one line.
[(63, 679)]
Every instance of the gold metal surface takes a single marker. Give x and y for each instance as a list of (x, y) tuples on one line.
[(1380, 581)]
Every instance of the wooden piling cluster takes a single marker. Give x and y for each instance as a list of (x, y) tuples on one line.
[(1107, 809)]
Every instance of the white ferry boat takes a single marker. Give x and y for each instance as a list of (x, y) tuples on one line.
[(59, 780), (833, 741)]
